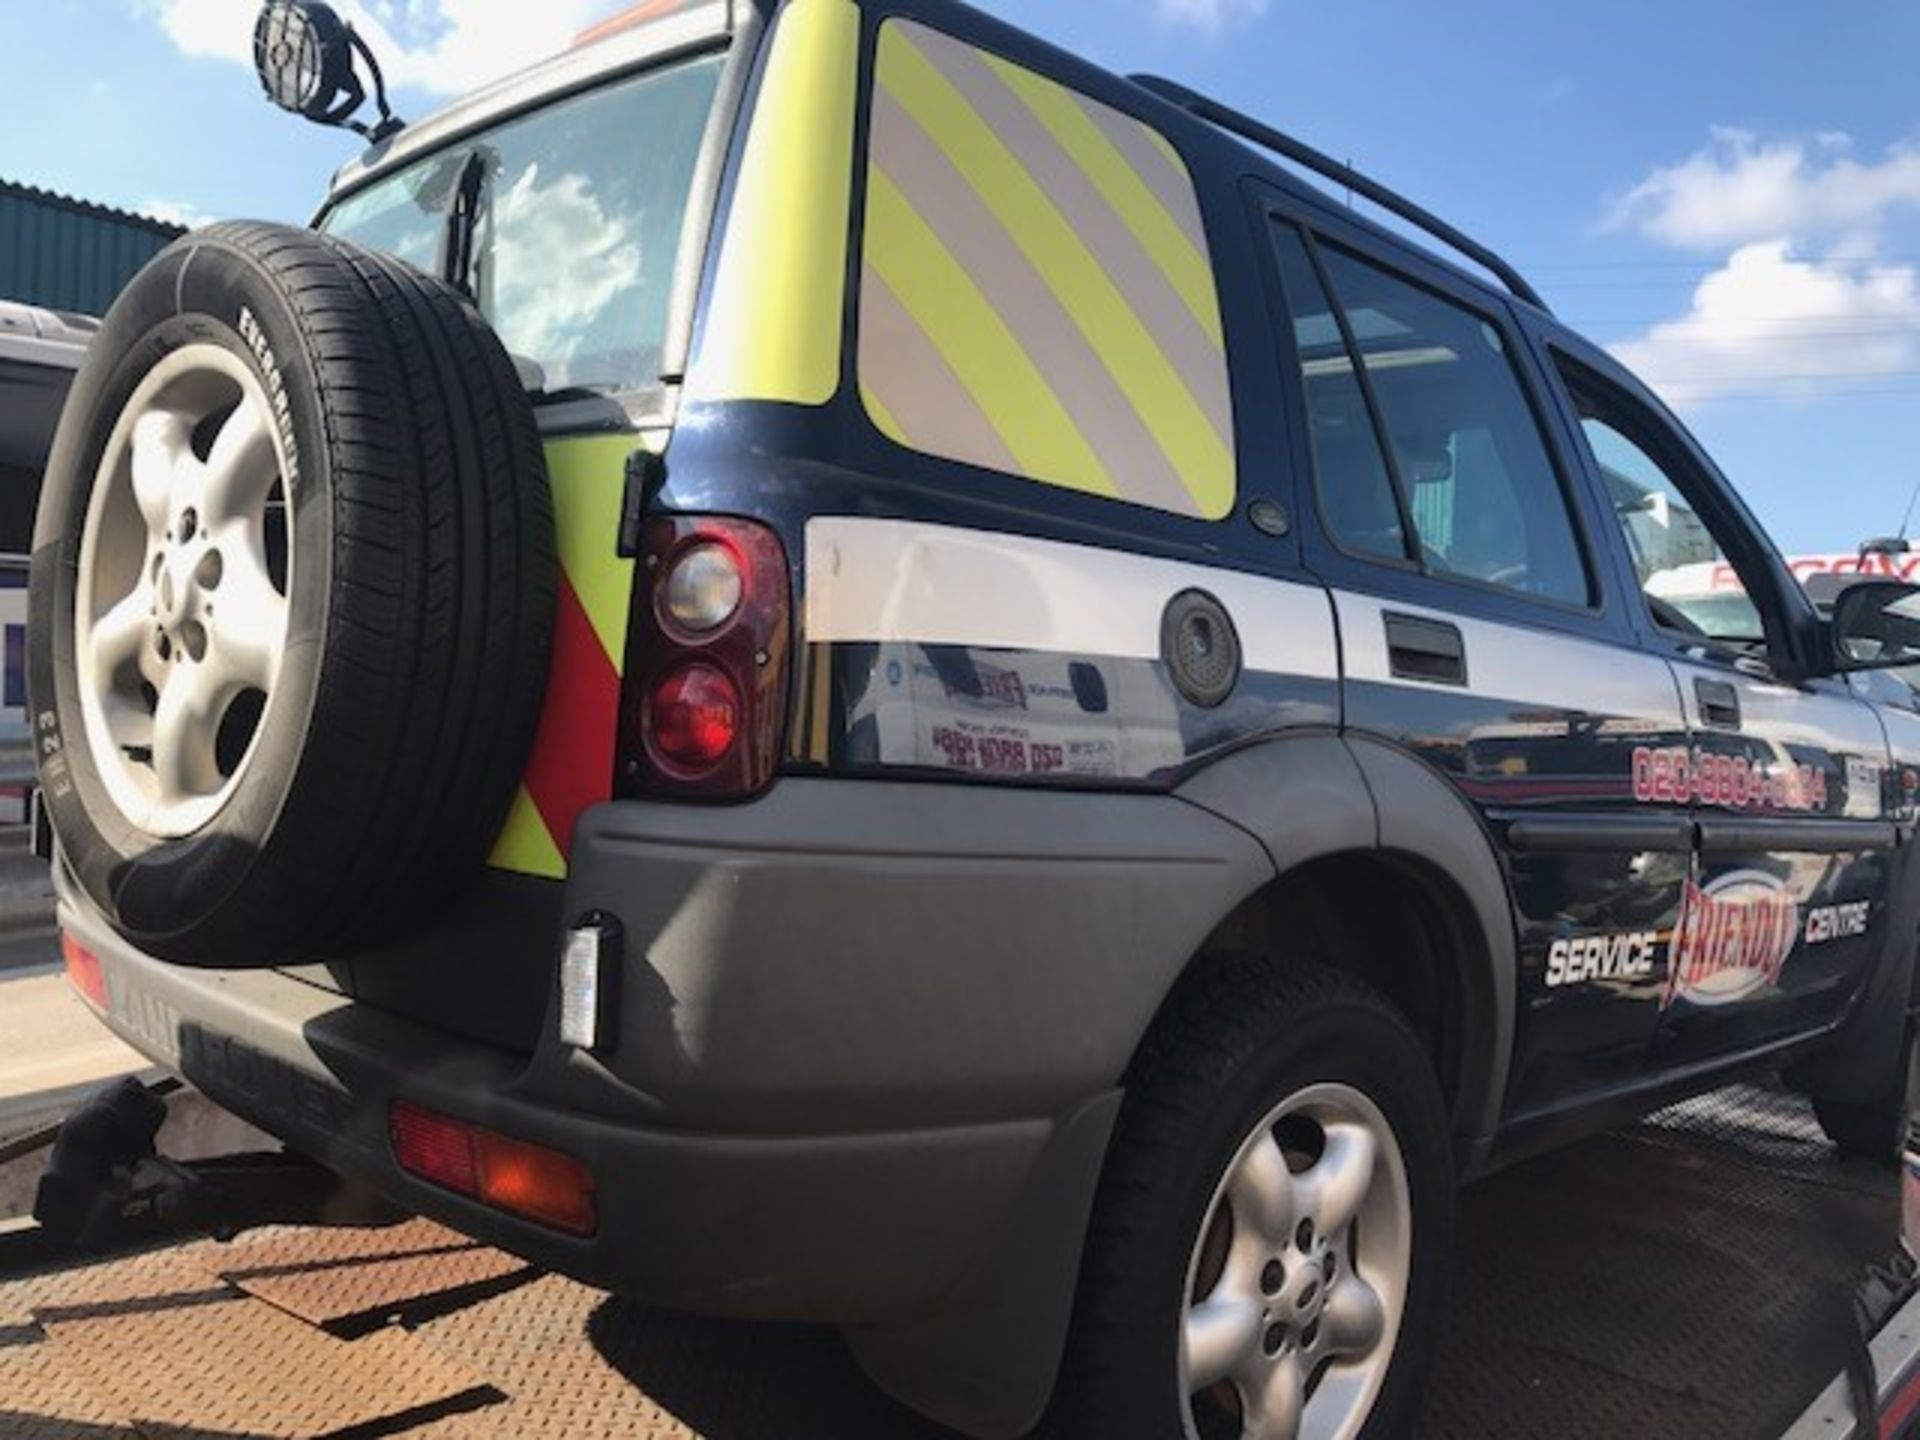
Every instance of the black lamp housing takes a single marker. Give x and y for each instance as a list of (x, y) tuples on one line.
[(304, 54)]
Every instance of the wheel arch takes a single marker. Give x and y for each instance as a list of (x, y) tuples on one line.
[(1350, 822)]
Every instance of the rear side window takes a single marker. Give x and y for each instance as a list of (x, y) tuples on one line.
[(1452, 447), (1037, 295)]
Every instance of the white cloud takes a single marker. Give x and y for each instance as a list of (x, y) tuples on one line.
[(1210, 17), (560, 261), (1770, 323), (446, 47), (1738, 188), (176, 212)]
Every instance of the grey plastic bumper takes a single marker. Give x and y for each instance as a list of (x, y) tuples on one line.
[(864, 1062)]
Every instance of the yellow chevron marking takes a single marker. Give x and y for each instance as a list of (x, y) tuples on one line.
[(773, 324), (1159, 234), (524, 844), (588, 476), (1154, 387), (961, 323)]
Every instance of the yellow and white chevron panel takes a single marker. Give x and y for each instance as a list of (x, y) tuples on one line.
[(1037, 295)]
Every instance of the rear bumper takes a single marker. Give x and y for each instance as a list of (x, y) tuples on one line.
[(850, 1228), (863, 1064), (862, 1067)]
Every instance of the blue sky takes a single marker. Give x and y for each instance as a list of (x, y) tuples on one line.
[(1727, 192)]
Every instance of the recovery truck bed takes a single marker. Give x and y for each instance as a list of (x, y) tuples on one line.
[(1688, 1275)]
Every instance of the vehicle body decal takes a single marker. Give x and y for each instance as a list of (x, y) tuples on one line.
[(1676, 774), (571, 765), (776, 311), (1037, 296), (903, 580), (1007, 657), (1733, 940), (1578, 959)]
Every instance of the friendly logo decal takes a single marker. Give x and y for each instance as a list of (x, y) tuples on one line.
[(1733, 939)]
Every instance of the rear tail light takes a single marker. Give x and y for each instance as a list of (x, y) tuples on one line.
[(531, 1181), (706, 677)]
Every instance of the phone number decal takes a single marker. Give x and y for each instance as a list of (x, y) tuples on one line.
[(1679, 775)]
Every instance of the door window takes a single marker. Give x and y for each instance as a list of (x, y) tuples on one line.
[(1429, 432), (1356, 489), (1691, 588)]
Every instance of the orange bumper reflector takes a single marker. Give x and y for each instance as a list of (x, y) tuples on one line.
[(83, 971), (532, 1181)]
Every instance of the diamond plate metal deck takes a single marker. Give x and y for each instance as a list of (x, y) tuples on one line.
[(351, 1281), (1686, 1276)]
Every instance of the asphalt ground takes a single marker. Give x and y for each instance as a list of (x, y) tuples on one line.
[(1688, 1276)]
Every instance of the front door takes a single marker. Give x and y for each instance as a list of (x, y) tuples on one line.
[(1783, 916)]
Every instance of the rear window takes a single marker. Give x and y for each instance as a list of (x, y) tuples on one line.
[(579, 226)]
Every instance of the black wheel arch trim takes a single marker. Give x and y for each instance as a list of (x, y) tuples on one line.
[(1314, 796)]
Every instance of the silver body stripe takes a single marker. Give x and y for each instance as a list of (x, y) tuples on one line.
[(887, 580), (1512, 662)]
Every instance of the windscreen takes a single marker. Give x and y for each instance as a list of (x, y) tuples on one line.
[(577, 226)]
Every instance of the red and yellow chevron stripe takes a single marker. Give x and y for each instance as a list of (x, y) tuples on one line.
[(571, 766)]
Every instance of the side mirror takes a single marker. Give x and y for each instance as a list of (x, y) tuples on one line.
[(304, 54), (1876, 626)]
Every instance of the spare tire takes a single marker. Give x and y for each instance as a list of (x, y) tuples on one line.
[(292, 599)]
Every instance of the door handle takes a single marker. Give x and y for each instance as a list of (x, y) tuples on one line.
[(1423, 649), (1719, 703)]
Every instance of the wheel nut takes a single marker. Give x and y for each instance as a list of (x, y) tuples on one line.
[(189, 522), (1303, 1237), (1273, 1277)]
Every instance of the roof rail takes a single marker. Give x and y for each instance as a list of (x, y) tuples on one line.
[(1247, 128)]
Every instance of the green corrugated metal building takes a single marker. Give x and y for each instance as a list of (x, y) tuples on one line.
[(66, 254)]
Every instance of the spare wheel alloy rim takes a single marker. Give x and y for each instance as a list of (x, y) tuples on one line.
[(1297, 1285), (180, 625)]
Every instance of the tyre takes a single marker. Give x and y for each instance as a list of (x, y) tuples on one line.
[(1269, 1238), (292, 599), (1873, 1129)]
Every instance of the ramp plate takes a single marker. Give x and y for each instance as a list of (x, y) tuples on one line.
[(349, 1281)]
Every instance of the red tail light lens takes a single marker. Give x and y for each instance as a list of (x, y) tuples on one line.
[(693, 717), (706, 679), (527, 1180)]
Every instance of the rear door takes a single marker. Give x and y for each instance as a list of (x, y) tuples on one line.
[(1478, 635), (1782, 918)]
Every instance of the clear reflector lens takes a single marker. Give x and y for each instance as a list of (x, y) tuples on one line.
[(580, 988), (704, 587)]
